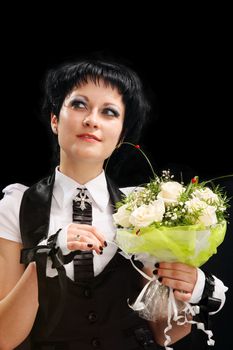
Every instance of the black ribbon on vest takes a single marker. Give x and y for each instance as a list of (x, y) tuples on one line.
[(40, 254), (34, 220)]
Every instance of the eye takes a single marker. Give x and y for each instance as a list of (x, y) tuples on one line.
[(77, 104), (111, 112)]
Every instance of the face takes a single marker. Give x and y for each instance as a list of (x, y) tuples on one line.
[(90, 123)]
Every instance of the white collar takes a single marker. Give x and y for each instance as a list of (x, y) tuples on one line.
[(65, 190)]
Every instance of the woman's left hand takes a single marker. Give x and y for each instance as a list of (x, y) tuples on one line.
[(181, 277)]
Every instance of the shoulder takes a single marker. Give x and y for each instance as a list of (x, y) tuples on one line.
[(13, 192), (9, 211), (14, 188), (12, 195)]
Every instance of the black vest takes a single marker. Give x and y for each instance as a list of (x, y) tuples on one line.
[(96, 314)]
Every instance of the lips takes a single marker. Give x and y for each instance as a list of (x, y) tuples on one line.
[(89, 137)]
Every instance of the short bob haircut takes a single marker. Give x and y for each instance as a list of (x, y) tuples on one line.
[(60, 81)]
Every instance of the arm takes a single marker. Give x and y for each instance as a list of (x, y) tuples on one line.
[(18, 296)]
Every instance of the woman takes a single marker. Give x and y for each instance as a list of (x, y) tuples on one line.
[(92, 106)]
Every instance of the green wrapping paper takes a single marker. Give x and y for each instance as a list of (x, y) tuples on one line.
[(192, 245)]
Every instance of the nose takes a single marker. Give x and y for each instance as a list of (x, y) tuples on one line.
[(91, 120)]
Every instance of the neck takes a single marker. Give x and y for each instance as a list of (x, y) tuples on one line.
[(81, 172)]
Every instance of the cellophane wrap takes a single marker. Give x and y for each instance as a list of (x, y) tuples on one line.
[(192, 245)]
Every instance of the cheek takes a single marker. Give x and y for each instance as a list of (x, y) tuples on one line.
[(115, 131), (114, 135), (65, 136), (68, 127)]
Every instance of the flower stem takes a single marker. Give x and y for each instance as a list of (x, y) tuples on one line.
[(220, 177), (145, 156)]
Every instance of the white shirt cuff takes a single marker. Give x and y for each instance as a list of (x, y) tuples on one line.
[(61, 241), (219, 290), (199, 287)]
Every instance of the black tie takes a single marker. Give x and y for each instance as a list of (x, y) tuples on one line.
[(82, 214)]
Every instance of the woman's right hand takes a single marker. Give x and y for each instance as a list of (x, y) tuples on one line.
[(85, 237)]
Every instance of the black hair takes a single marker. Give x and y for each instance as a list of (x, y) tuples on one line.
[(61, 80)]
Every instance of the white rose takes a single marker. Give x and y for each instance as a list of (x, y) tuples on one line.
[(207, 215), (159, 208), (146, 214), (170, 192), (206, 194), (121, 217)]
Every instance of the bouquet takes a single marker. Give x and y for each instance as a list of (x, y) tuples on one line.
[(165, 220)]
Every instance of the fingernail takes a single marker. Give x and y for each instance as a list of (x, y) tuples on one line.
[(100, 247), (155, 272), (101, 252), (160, 279), (157, 264), (105, 244), (90, 245)]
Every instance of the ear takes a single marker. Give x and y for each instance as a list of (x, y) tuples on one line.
[(54, 123)]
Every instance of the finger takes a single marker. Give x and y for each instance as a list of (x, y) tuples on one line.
[(84, 235), (82, 240), (189, 277), (74, 234), (177, 285), (176, 266), (88, 228), (85, 246), (98, 235), (182, 295), (80, 246)]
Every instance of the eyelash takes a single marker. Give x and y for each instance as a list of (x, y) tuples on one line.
[(75, 104), (113, 112)]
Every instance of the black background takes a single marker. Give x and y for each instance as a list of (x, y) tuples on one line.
[(186, 64)]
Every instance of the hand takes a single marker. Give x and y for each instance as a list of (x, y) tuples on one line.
[(181, 277), (85, 237)]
